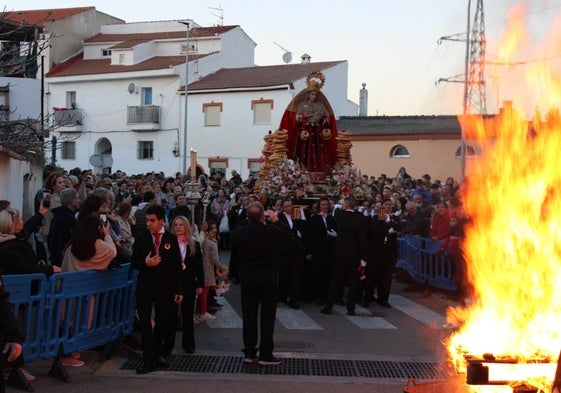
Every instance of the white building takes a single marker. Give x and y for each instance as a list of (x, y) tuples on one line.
[(19, 177), (122, 98)]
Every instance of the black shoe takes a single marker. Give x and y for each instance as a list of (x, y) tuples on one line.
[(189, 349), (383, 303), (326, 310), (250, 359), (146, 368), (351, 313), (292, 304), (161, 362), (269, 361)]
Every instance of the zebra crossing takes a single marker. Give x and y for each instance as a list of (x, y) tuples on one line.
[(228, 317)]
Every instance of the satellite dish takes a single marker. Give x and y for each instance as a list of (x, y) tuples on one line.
[(287, 56), (106, 160), (96, 160), (132, 88)]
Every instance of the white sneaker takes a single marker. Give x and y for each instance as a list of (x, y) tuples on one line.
[(208, 317)]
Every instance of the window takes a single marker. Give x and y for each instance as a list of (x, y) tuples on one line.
[(105, 52), (121, 58), (218, 165), (146, 96), (70, 100), (212, 113), (470, 151), (262, 111), (254, 164), (68, 151), (145, 150), (184, 47), (399, 151)]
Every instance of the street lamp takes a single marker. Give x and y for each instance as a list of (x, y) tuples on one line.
[(186, 92)]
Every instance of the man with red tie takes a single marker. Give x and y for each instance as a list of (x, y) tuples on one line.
[(157, 257)]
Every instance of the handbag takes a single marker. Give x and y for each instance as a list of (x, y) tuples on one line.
[(224, 227)]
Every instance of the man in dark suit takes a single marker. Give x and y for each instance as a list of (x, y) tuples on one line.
[(383, 249), (350, 255), (237, 215), (293, 256), (156, 255), (259, 246), (323, 232)]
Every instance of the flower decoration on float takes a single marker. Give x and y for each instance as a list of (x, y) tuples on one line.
[(286, 178), (315, 80), (345, 180)]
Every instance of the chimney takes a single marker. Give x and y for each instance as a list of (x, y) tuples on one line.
[(306, 58), (363, 101)]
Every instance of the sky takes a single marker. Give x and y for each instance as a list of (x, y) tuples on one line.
[(391, 46)]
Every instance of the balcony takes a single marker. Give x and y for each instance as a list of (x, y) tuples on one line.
[(143, 118), (68, 120)]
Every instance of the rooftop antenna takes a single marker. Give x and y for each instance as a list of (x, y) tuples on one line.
[(219, 15), (287, 56)]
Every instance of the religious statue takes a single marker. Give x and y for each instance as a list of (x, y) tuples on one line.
[(311, 126)]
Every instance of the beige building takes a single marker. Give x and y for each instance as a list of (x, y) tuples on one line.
[(421, 144)]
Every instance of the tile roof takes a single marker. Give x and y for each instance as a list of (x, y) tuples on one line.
[(399, 125), (195, 32), (42, 17), (259, 76), (78, 66)]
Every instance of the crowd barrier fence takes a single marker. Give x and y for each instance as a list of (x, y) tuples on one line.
[(72, 312), (421, 258)]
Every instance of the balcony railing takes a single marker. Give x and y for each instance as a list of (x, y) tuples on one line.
[(69, 119), (143, 117)]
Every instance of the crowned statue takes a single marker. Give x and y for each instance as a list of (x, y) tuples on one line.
[(311, 126)]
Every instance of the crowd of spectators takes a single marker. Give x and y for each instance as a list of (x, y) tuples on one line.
[(86, 220)]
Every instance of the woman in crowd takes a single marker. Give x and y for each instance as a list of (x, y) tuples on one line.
[(211, 262), (125, 238), (219, 209), (91, 246), (440, 225), (18, 256), (193, 278)]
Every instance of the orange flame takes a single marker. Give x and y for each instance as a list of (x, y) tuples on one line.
[(513, 241)]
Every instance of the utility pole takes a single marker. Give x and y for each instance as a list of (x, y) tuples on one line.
[(474, 99)]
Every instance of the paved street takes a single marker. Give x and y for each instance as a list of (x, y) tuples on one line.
[(375, 351)]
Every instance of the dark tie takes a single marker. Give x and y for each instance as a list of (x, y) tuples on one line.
[(157, 238)]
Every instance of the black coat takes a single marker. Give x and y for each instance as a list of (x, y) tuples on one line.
[(167, 276), (319, 240), (193, 275), (60, 232), (351, 236), (296, 243), (18, 258), (259, 251)]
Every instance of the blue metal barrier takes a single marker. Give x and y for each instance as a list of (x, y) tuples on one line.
[(72, 312), (420, 257), (28, 294), (85, 310)]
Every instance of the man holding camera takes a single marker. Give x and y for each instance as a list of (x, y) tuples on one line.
[(259, 249)]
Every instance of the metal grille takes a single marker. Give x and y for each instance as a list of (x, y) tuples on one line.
[(300, 366)]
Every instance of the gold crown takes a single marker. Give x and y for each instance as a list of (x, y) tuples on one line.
[(315, 80)]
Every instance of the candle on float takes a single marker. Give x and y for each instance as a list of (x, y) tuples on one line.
[(193, 164)]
